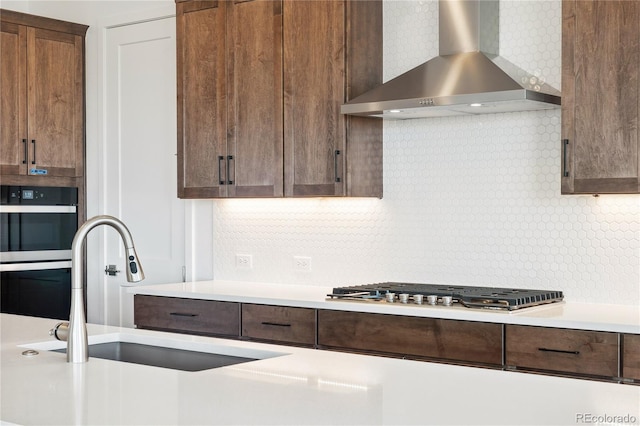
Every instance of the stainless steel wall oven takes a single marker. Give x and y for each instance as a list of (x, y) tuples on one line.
[(37, 226)]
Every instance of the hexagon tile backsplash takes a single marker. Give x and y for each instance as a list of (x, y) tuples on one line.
[(467, 200)]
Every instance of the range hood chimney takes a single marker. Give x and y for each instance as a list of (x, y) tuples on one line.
[(468, 77)]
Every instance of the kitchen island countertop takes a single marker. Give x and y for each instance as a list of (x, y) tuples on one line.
[(568, 314), (303, 386)]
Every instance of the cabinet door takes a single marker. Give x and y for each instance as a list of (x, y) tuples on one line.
[(254, 136), (13, 105), (566, 351), (314, 87), (461, 341), (364, 72), (601, 97), (631, 356), (202, 113), (55, 102)]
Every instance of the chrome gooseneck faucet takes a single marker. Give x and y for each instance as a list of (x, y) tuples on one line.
[(77, 343)]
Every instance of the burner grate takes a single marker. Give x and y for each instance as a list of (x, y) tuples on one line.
[(470, 296)]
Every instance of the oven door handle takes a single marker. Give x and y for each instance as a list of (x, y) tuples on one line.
[(37, 209), (37, 256), (34, 266)]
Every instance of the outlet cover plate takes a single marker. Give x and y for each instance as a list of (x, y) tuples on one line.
[(244, 261), (301, 263)]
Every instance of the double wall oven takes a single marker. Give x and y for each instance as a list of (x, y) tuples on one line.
[(37, 228)]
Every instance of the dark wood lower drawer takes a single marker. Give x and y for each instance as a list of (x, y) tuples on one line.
[(631, 356), (463, 341), (280, 324), (563, 350), (208, 317)]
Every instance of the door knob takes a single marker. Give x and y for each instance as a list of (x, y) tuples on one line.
[(111, 270)]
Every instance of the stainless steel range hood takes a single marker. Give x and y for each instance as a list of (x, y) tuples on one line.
[(468, 77)]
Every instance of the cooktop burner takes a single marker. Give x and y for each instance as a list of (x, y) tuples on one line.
[(469, 296)]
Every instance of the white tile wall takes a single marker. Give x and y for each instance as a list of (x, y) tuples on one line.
[(467, 200)]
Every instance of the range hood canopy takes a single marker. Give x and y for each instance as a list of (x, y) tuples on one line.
[(468, 77)]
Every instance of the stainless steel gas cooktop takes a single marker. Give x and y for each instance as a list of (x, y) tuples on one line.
[(447, 295)]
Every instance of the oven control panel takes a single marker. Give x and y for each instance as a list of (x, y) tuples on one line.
[(39, 195)]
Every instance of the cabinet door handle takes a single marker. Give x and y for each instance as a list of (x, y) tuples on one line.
[(565, 170), (275, 324), (220, 163), (33, 142), (182, 314), (229, 174), (335, 162), (559, 351), (26, 151)]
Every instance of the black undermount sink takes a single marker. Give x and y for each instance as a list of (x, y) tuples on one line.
[(159, 356)]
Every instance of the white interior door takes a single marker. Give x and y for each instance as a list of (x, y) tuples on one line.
[(139, 159)]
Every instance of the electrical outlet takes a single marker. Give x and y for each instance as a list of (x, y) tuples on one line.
[(301, 263), (244, 261)]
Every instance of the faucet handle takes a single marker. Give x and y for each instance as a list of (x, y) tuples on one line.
[(60, 331)]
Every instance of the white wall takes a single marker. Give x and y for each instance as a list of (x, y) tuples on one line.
[(468, 200)]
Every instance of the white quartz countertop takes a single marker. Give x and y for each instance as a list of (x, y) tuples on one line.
[(586, 316), (303, 386)]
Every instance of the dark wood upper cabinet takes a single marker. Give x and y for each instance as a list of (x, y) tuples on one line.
[(42, 111), (13, 111), (260, 84), (229, 99), (254, 109), (314, 90), (600, 97), (200, 45), (331, 53)]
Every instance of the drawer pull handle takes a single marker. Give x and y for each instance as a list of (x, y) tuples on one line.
[(276, 324), (560, 351), (182, 314)]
